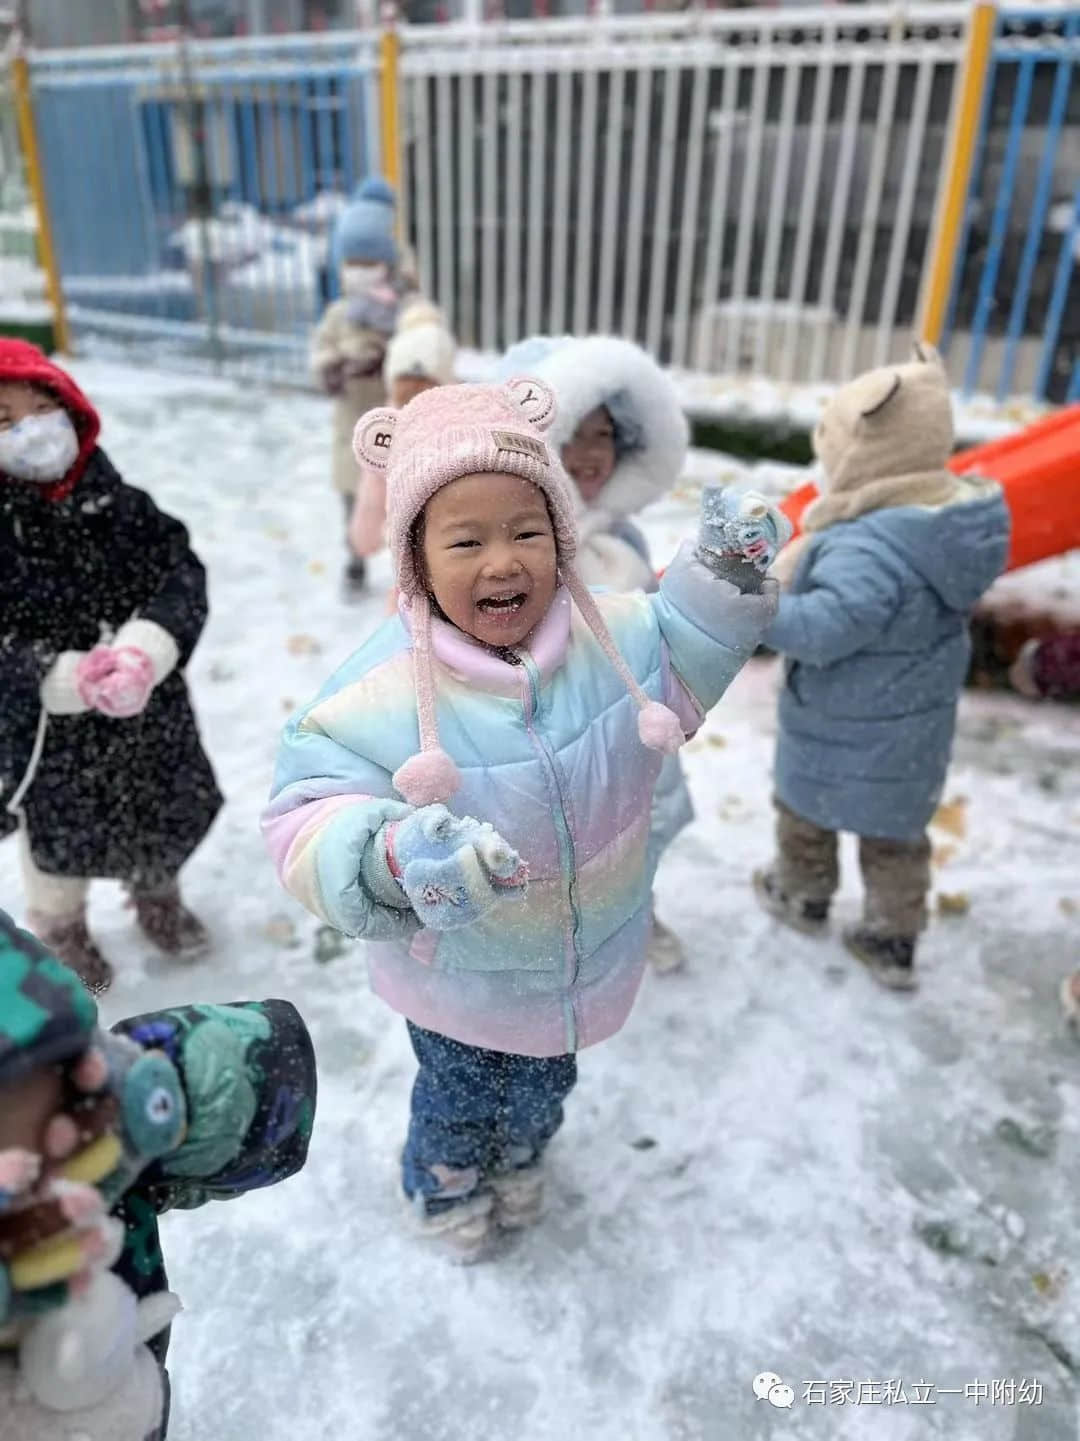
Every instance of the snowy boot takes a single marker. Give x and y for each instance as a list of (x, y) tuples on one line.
[(464, 1230), (810, 917), (69, 940), (164, 919), (519, 1196), (889, 959), (665, 952)]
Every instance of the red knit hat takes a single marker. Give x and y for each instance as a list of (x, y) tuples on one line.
[(21, 361)]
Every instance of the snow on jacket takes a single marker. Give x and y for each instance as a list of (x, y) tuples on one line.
[(651, 438), (549, 753), (875, 635), (127, 799)]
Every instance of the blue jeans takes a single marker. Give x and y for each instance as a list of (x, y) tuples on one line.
[(475, 1112)]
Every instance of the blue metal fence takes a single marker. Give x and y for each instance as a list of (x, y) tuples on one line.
[(1017, 293), (192, 195)]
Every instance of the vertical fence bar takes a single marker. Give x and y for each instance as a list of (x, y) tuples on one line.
[(150, 184), (718, 208), (688, 218), (560, 202), (636, 217), (466, 298), (294, 119), (1000, 223), (835, 239), (1037, 220), (489, 283), (249, 160), (879, 159), (905, 205), (610, 218), (747, 208), (1058, 296), (24, 116), (777, 206), (512, 217), (584, 252), (808, 208), (534, 296), (425, 257), (326, 172), (344, 90), (947, 235), (661, 235), (445, 289)]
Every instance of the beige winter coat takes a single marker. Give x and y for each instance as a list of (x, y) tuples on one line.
[(337, 342)]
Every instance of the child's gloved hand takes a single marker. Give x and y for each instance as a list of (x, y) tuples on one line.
[(739, 528), (130, 1110), (115, 680), (453, 870)]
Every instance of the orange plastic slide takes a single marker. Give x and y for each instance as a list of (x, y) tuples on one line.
[(1039, 471)]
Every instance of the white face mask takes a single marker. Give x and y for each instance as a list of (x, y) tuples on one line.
[(359, 279), (41, 448)]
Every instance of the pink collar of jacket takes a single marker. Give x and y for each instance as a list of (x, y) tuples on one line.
[(471, 662)]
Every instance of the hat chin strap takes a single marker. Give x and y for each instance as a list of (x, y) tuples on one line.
[(430, 776), (659, 727)]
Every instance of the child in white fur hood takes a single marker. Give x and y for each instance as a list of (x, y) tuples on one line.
[(622, 437)]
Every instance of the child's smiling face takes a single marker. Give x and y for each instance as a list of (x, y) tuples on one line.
[(488, 556), (588, 456)]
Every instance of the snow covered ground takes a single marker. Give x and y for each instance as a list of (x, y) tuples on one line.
[(775, 1167)]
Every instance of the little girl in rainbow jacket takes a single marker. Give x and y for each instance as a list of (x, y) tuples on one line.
[(470, 793)]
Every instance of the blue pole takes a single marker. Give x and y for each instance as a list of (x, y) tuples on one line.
[(999, 227), (1058, 297), (1074, 385), (976, 175), (1043, 187)]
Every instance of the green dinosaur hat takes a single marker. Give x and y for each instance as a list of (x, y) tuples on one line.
[(46, 1014)]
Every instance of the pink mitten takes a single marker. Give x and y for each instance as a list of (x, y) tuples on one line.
[(116, 681)]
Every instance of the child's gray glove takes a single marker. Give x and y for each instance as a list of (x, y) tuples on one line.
[(740, 534)]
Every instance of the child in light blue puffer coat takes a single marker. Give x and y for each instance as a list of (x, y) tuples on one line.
[(874, 633)]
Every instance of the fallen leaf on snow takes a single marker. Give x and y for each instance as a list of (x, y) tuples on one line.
[(303, 645), (954, 904), (952, 817)]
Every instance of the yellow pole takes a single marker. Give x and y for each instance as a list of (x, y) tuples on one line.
[(24, 114), (956, 175), (389, 56)]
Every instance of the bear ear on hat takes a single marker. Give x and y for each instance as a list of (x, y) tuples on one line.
[(877, 391), (532, 400), (373, 437)]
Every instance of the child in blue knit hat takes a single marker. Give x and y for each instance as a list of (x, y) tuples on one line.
[(349, 344)]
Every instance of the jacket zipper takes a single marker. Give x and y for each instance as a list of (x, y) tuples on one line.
[(564, 838)]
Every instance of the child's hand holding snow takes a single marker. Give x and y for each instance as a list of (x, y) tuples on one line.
[(740, 532), (453, 870), (115, 680)]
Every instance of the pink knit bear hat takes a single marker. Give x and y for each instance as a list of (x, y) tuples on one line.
[(441, 435)]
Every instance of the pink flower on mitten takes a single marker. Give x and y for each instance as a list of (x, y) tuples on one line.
[(117, 682)]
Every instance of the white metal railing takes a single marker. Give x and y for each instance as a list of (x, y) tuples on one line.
[(732, 188)]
